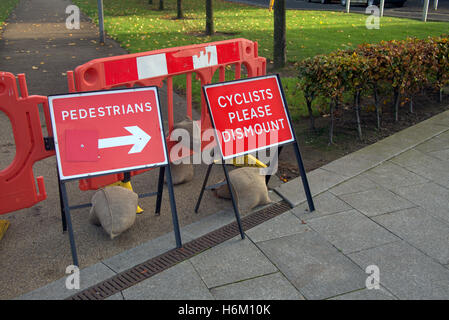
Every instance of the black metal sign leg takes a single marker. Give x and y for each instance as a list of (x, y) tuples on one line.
[(305, 183), (61, 203), (209, 169), (126, 177), (173, 208), (233, 198), (69, 223), (273, 161), (160, 189)]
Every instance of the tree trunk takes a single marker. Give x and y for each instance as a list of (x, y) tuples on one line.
[(180, 14), (397, 99), (209, 18), (331, 126), (161, 4), (376, 103), (441, 95), (357, 112), (309, 108), (279, 52), (411, 104)]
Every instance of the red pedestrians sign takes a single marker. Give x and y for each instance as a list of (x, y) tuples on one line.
[(248, 115), (104, 132)]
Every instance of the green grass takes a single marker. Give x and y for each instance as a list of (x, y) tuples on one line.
[(6, 7), (138, 27)]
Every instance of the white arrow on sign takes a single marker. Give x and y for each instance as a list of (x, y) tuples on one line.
[(138, 139)]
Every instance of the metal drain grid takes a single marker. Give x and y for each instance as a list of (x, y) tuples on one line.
[(170, 258)]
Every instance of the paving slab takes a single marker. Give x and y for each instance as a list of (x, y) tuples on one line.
[(283, 225), (390, 175), (406, 272), (370, 156), (419, 133), (150, 249), (274, 182), (180, 282), (351, 231), (421, 230), (424, 165), (313, 265), (441, 119), (57, 290), (434, 144), (233, 260), (220, 219), (376, 201), (117, 296), (441, 155), (444, 136), (209, 223), (367, 294), (319, 181), (354, 185), (270, 287), (325, 204), (429, 196), (351, 165), (274, 197)]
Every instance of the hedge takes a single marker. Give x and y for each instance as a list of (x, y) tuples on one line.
[(402, 68)]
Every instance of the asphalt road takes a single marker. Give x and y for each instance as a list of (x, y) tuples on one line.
[(412, 8)]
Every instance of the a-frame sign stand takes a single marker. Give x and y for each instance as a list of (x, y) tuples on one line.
[(261, 103), (85, 153)]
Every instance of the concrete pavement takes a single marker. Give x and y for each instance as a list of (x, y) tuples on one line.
[(385, 207)]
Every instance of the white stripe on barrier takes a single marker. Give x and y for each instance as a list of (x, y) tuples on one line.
[(206, 60), (151, 66), (156, 65)]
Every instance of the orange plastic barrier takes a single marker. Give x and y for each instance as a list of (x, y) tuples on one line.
[(17, 183), (153, 67)]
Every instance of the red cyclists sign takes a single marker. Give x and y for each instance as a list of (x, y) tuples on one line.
[(248, 115), (107, 131)]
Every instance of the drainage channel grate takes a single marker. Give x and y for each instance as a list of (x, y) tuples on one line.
[(168, 259)]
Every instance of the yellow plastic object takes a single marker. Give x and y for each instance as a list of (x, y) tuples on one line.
[(271, 5), (4, 224), (128, 186), (246, 161)]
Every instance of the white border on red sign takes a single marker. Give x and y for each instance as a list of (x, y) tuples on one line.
[(115, 91), (248, 80)]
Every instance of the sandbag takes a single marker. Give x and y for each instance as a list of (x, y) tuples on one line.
[(193, 141), (181, 173), (188, 137), (249, 188), (114, 208)]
